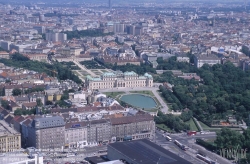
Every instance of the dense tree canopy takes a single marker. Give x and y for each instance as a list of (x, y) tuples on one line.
[(139, 69), (225, 90), (173, 122), (19, 112), (245, 50), (172, 64), (16, 92), (230, 139), (5, 104), (21, 61)]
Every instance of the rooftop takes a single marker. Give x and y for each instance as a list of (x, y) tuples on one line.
[(146, 152), (5, 129)]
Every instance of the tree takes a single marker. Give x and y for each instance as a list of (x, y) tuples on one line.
[(229, 139), (5, 104), (71, 91), (49, 103), (2, 93), (39, 102), (16, 92), (65, 95), (18, 112), (21, 61), (186, 116)]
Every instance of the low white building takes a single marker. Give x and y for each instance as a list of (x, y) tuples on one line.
[(79, 96), (183, 59), (200, 60)]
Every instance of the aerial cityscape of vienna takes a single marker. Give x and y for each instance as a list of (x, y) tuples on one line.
[(124, 82)]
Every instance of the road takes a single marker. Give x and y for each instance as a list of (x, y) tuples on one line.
[(81, 153), (159, 139), (164, 108), (190, 142)]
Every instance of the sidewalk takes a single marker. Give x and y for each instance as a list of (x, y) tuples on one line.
[(201, 129)]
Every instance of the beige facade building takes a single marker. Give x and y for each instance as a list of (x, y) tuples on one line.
[(10, 139), (70, 51), (38, 57), (133, 127), (76, 134), (4, 54), (118, 79)]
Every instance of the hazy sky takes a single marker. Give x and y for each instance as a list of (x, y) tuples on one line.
[(122, 1)]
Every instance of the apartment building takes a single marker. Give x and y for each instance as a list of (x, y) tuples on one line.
[(133, 127), (10, 139), (4, 54), (76, 134), (46, 132), (119, 79), (98, 131)]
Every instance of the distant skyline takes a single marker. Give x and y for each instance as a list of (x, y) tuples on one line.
[(119, 1)]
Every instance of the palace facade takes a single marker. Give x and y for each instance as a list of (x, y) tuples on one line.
[(119, 79)]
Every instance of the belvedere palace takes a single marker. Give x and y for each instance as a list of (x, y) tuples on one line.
[(119, 79)]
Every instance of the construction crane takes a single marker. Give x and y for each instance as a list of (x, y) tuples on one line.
[(53, 72)]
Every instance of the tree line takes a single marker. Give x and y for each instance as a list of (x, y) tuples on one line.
[(230, 139), (19, 61), (139, 69), (175, 123), (224, 90)]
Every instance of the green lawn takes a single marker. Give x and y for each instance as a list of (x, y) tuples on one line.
[(204, 126), (103, 70), (76, 73), (113, 94), (164, 127), (144, 92), (192, 125), (151, 110)]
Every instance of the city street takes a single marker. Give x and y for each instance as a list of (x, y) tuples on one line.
[(160, 139), (190, 142)]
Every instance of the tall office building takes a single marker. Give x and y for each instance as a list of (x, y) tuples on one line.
[(46, 132), (5, 45), (119, 28), (41, 17), (40, 29), (110, 5), (138, 30), (56, 37), (130, 29)]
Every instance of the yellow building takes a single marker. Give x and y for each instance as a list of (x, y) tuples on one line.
[(10, 139), (49, 97), (57, 96)]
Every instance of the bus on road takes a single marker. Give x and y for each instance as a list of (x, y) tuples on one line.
[(180, 145), (168, 138), (105, 151)]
